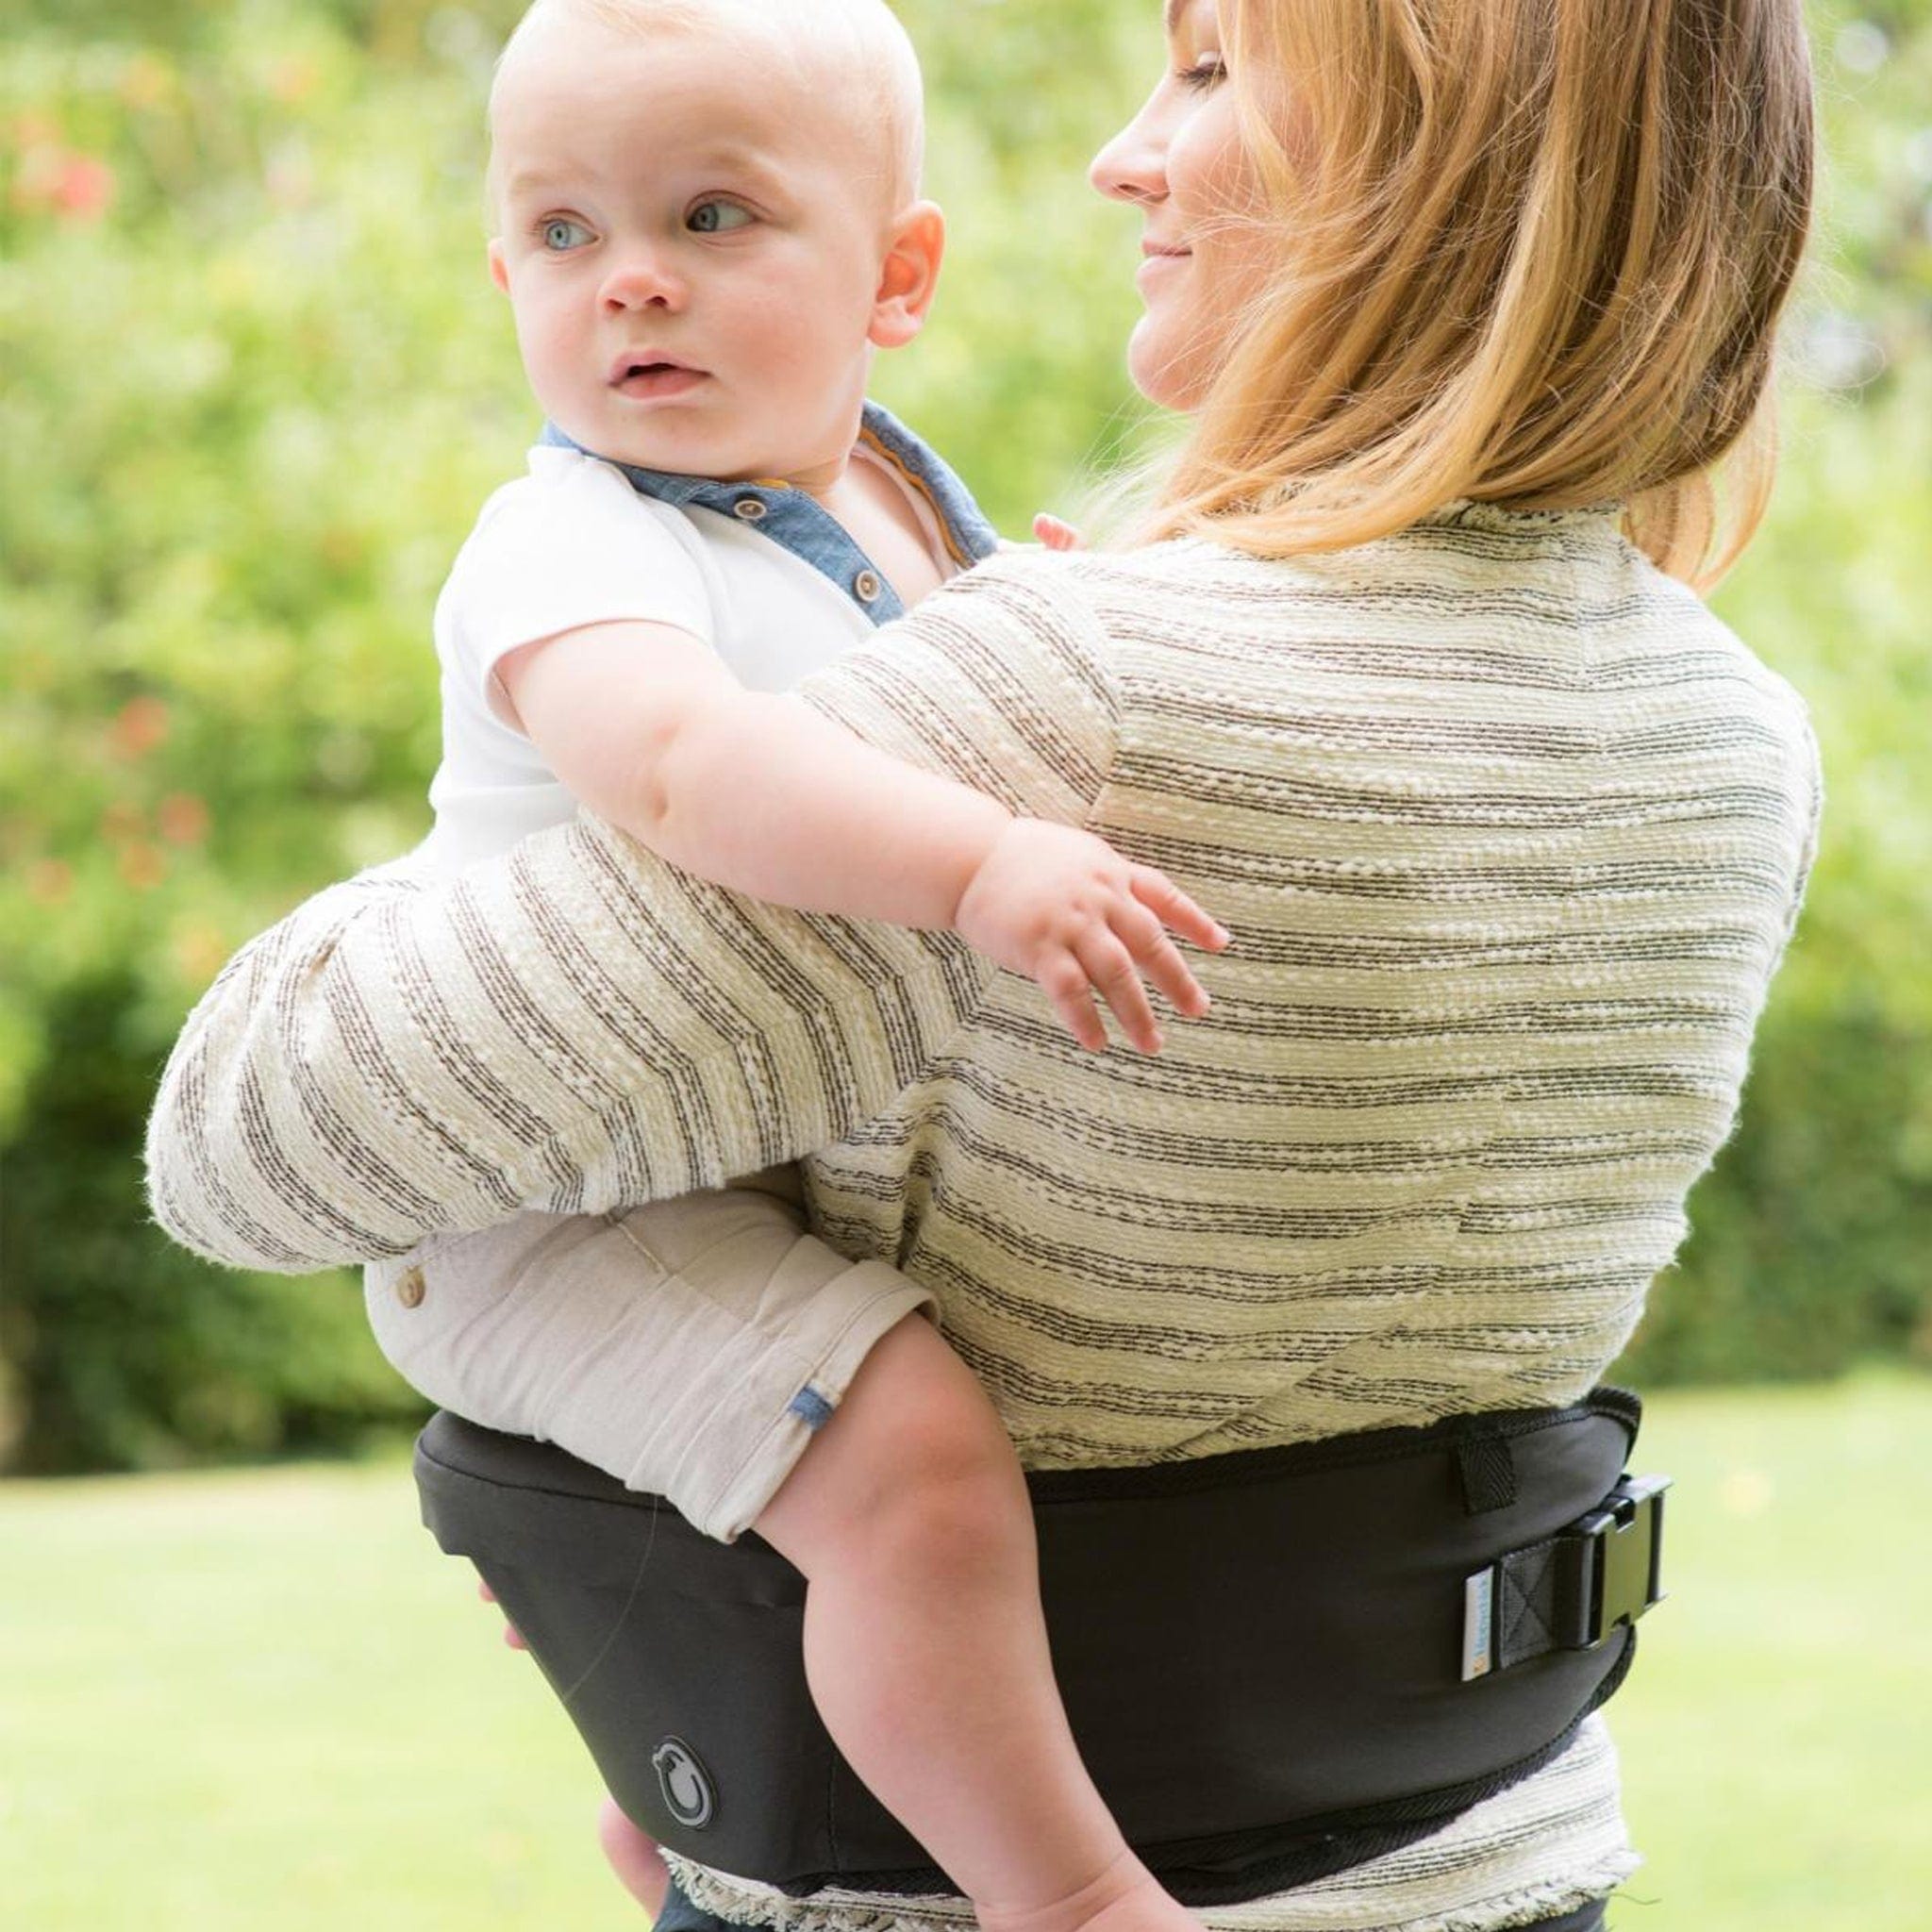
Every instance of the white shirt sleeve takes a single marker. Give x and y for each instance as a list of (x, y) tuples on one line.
[(570, 544)]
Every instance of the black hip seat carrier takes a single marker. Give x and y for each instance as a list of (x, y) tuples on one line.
[(1277, 1663)]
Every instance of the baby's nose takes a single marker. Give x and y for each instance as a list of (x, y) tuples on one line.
[(642, 282)]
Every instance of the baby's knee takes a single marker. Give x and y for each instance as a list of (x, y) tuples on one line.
[(943, 1474), (924, 1417)]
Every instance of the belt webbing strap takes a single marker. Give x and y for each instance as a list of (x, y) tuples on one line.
[(1570, 1590)]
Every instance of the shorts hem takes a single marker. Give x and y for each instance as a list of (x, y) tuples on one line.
[(740, 1496)]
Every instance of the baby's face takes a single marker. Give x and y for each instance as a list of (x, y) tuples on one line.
[(693, 245)]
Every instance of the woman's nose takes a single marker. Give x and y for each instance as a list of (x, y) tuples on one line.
[(1132, 166)]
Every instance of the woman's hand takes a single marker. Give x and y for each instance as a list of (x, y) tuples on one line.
[(1056, 535), (1065, 908)]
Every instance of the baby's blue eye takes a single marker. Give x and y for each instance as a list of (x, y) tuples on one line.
[(714, 217), (560, 233)]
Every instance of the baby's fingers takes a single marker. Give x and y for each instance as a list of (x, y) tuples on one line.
[(1066, 984), (1159, 962), (1115, 976), (1159, 893)]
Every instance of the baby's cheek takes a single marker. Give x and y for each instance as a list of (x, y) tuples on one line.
[(553, 356)]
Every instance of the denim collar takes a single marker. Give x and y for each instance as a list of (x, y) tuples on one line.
[(803, 525)]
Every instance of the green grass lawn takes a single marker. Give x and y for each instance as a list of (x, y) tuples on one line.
[(264, 1700)]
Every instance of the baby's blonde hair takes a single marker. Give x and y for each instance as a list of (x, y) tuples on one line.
[(1530, 252), (858, 48)]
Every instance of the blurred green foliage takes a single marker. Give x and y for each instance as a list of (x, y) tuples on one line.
[(256, 385)]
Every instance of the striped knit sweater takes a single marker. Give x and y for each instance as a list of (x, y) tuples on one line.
[(1509, 833)]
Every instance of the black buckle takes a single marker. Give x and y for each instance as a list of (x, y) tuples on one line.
[(1572, 1590), (1623, 1542)]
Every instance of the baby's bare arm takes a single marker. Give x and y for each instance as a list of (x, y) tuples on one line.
[(751, 789), (756, 792)]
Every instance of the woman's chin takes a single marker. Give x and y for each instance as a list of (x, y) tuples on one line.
[(1165, 373)]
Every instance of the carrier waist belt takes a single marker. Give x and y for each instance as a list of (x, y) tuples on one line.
[(1277, 1663)]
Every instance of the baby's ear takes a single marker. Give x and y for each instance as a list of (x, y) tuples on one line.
[(499, 268), (910, 276)]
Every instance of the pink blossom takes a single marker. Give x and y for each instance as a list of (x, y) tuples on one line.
[(140, 725), (84, 187), (183, 818)]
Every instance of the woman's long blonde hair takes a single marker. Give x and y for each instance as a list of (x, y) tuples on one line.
[(1532, 253)]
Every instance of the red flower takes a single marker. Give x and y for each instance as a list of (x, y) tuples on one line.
[(142, 866), (76, 187), (140, 725), (182, 818), (84, 188)]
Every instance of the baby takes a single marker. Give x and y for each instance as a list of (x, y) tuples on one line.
[(707, 221)]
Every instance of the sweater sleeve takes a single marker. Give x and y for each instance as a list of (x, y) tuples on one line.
[(578, 1025)]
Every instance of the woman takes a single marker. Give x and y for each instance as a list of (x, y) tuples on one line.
[(1401, 676)]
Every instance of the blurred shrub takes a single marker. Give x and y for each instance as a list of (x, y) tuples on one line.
[(129, 1353), (1811, 1236), (256, 386), (1811, 1241)]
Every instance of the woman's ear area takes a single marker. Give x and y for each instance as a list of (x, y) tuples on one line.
[(499, 267), (908, 276)]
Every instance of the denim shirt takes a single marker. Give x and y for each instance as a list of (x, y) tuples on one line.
[(797, 520)]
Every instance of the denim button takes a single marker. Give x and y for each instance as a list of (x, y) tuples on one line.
[(868, 586), (750, 508)]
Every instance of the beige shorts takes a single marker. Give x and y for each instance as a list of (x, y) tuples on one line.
[(689, 1348)]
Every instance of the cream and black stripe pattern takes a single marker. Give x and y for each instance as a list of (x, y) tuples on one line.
[(1509, 833)]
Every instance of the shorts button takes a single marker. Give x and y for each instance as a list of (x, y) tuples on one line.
[(411, 1287), (750, 509), (868, 586)]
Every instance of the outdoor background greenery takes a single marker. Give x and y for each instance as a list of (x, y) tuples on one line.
[(253, 387)]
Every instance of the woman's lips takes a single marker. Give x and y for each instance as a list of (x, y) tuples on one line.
[(1159, 258), (653, 381)]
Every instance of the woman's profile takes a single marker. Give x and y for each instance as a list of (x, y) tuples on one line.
[(1402, 669)]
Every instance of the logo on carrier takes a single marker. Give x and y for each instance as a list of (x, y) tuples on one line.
[(686, 1784)]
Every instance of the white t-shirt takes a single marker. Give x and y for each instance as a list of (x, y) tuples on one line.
[(573, 544)]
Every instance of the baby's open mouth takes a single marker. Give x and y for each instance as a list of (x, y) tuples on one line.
[(652, 376)]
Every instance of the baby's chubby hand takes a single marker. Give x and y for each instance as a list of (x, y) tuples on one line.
[(1064, 908)]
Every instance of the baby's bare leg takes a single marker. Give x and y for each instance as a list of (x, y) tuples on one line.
[(927, 1650)]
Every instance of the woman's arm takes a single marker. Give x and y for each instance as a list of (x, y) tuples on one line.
[(578, 1025)]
